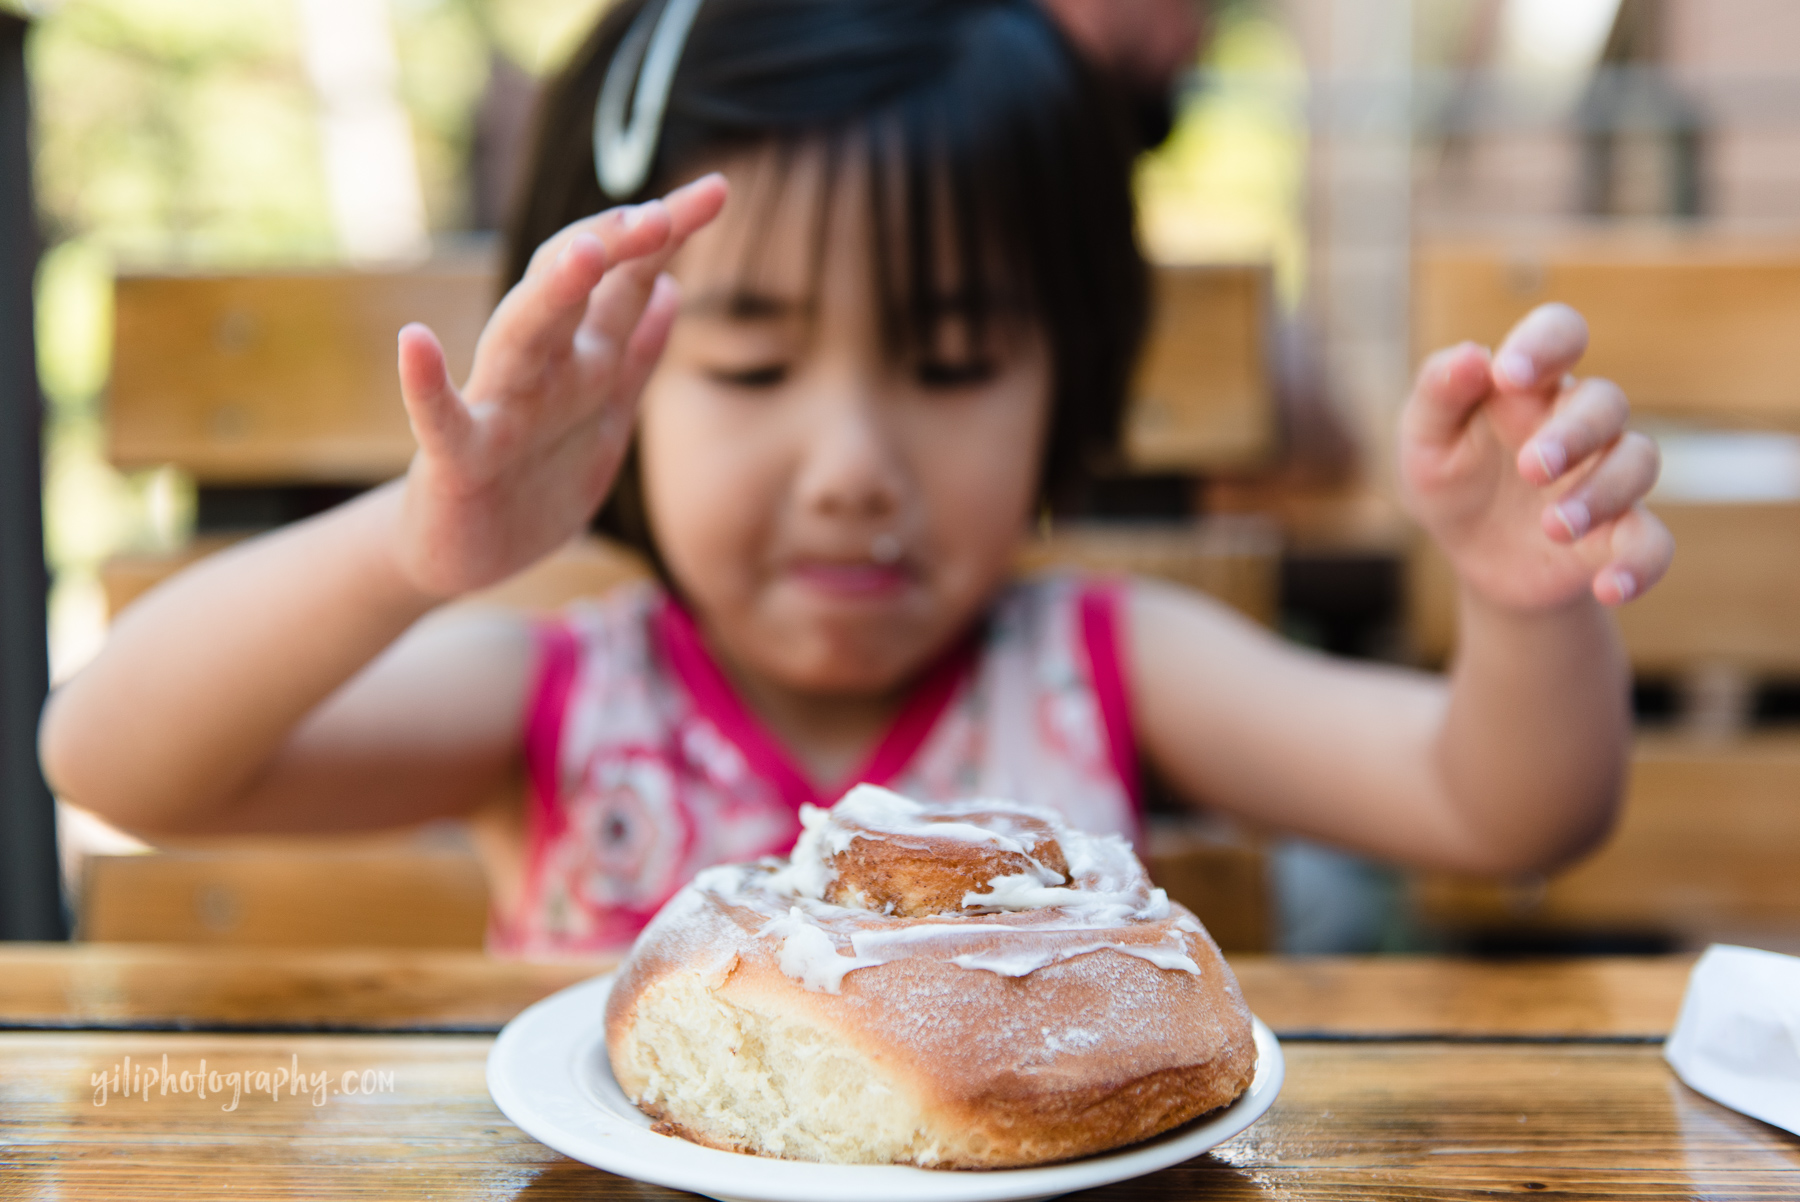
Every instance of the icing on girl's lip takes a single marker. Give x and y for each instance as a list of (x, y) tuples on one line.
[(851, 578)]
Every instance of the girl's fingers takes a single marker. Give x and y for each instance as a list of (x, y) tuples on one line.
[(617, 306), (1452, 383), (614, 310), (1541, 349), (541, 316), (648, 340), (693, 205), (633, 231), (1642, 549), (1619, 481), (1589, 417), (627, 232), (439, 419)]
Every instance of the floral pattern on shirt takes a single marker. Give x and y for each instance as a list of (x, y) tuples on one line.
[(648, 789)]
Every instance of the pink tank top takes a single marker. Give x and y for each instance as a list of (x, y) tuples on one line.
[(645, 767)]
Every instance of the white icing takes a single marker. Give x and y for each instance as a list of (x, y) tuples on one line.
[(809, 872), (871, 811), (1167, 958), (1024, 922), (1007, 951), (808, 954), (1025, 891)]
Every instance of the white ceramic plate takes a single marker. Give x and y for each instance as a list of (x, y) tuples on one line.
[(549, 1074)]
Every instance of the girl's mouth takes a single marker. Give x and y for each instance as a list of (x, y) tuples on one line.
[(852, 579)]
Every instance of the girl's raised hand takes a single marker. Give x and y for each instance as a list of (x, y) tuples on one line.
[(517, 461), (1526, 476)]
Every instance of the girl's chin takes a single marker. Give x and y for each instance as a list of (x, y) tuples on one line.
[(821, 641)]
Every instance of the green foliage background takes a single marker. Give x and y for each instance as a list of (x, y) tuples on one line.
[(184, 135)]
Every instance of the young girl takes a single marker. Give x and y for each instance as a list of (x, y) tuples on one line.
[(828, 417)]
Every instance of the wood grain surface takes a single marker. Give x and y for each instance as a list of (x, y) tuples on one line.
[(1693, 327), (138, 985), (1397, 1120), (1704, 851), (1394, 997), (1202, 399), (1728, 597), (288, 377)]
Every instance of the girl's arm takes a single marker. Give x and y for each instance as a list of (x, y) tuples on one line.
[(1515, 763), (264, 675), (258, 690), (1512, 764)]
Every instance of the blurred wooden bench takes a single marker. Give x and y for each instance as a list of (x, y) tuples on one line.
[(1691, 326), (1218, 871), (287, 378), (1706, 850), (1700, 330), (1202, 399), (284, 382), (370, 891), (279, 379)]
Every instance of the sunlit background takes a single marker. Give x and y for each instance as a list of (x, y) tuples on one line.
[(233, 134), (1325, 138)]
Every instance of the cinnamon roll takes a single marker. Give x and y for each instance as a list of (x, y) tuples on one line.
[(963, 986)]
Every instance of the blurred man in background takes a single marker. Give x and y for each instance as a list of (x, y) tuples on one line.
[(1146, 46)]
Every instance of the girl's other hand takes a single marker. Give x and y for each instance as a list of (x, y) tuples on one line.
[(516, 462), (1526, 476)]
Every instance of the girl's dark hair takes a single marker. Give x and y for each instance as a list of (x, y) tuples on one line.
[(982, 132)]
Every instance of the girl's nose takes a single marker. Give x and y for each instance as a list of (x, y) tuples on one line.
[(851, 468)]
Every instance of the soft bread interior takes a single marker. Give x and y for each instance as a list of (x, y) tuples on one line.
[(754, 1079)]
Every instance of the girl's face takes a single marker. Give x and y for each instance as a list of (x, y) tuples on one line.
[(835, 516)]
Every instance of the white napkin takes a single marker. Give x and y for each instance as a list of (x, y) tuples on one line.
[(1738, 1038)]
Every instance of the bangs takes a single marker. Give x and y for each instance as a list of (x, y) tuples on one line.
[(945, 265)]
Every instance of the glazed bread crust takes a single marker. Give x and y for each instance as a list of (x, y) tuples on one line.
[(962, 1038)]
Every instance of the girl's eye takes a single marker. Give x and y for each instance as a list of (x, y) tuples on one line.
[(763, 375), (936, 373)]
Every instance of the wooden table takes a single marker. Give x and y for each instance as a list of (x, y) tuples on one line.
[(1406, 1079)]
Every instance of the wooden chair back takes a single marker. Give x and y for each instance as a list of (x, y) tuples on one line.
[(1691, 328), (1700, 330), (1202, 399), (291, 892), (279, 379), (1705, 851), (286, 379)]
